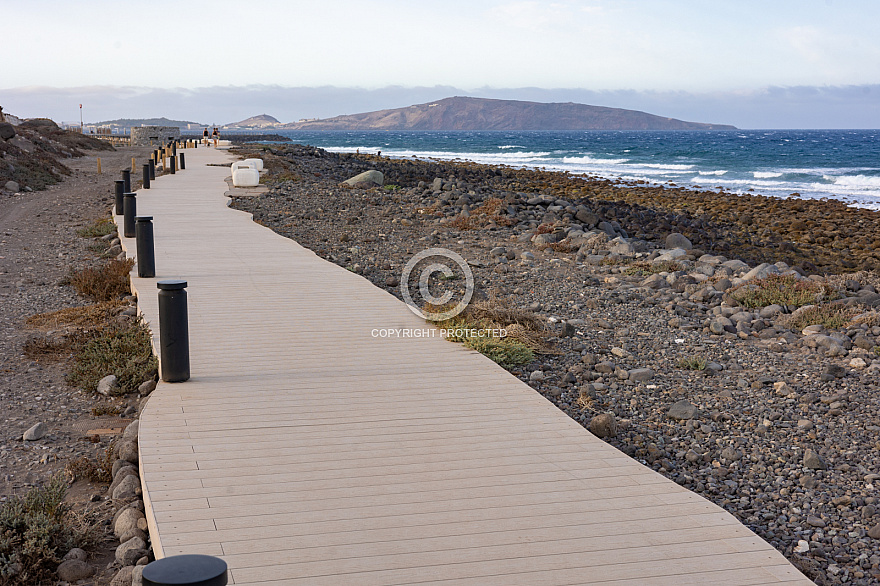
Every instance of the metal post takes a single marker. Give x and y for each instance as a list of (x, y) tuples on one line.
[(186, 570), (174, 147), (152, 169), (172, 164), (120, 190), (146, 180), (146, 253), (126, 176), (129, 211), (173, 332), (182, 161)]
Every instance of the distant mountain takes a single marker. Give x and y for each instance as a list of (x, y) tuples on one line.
[(461, 113), (147, 122), (261, 121)]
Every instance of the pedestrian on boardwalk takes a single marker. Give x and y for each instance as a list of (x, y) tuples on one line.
[(205, 137), (216, 137)]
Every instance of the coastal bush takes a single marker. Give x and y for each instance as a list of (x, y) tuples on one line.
[(693, 363), (105, 283), (100, 470), (99, 228), (782, 290), (504, 351), (645, 269), (35, 531), (124, 351), (827, 314), (485, 215)]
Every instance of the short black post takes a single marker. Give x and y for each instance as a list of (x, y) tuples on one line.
[(174, 148), (172, 164), (146, 252), (126, 176), (129, 211), (173, 331), (152, 169), (120, 190), (182, 161), (186, 570), (146, 180)]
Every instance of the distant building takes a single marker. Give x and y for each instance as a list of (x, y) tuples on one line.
[(153, 135)]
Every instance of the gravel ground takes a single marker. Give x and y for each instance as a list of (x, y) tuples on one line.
[(38, 247), (781, 426)]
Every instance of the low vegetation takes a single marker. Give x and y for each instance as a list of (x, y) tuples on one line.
[(693, 363), (645, 269), (99, 228), (107, 282), (485, 215), (36, 530), (124, 351), (99, 470), (785, 290), (828, 315)]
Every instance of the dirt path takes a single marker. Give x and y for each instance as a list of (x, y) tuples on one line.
[(38, 247)]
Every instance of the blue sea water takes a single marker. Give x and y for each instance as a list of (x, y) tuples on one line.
[(837, 164)]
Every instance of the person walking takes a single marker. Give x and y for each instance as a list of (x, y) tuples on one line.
[(205, 137), (216, 137)]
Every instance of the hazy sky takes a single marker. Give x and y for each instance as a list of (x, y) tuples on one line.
[(706, 52)]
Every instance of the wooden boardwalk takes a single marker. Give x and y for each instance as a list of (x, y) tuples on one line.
[(304, 450)]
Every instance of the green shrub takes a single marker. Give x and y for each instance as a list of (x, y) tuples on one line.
[(35, 531), (692, 363), (124, 351), (504, 351), (828, 315), (100, 228)]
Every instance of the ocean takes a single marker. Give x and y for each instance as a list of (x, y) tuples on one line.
[(834, 164)]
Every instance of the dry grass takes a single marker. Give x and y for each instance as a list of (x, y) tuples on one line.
[(644, 269), (99, 228), (862, 277), (693, 363), (783, 290), (105, 283), (84, 317), (871, 318), (830, 315)]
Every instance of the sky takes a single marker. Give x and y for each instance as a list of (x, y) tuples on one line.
[(754, 64)]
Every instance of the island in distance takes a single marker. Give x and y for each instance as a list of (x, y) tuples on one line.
[(462, 113)]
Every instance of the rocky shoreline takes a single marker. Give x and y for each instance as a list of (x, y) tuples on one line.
[(655, 346)]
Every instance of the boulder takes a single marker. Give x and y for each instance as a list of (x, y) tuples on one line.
[(127, 450), (369, 178), (814, 461), (683, 410), (36, 432), (676, 240), (146, 388), (131, 432), (129, 552), (74, 570), (7, 131), (12, 186), (604, 425), (122, 577), (128, 488), (127, 521), (108, 384)]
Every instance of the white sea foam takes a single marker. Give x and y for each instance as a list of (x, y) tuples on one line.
[(666, 166), (856, 182), (511, 146), (766, 174), (719, 172), (586, 160)]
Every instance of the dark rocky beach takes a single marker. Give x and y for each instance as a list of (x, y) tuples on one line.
[(658, 339)]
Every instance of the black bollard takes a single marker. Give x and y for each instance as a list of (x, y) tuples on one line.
[(174, 148), (182, 161), (186, 570), (146, 252), (129, 211), (146, 180), (152, 169), (126, 176), (120, 190), (172, 164), (173, 331)]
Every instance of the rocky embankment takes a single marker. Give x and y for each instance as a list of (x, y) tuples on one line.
[(662, 343)]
